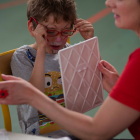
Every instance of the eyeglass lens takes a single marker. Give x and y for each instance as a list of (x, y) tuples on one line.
[(64, 33)]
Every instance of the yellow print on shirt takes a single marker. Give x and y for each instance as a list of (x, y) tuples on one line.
[(53, 89), (52, 81)]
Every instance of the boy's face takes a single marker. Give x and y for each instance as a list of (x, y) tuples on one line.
[(57, 42)]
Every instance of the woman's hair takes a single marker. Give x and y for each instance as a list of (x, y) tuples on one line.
[(59, 9)]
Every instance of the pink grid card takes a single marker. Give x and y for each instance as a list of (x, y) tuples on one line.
[(82, 81)]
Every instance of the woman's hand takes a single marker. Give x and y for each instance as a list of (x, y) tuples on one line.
[(85, 28), (109, 73), (19, 90)]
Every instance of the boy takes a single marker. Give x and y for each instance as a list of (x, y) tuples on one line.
[(50, 22)]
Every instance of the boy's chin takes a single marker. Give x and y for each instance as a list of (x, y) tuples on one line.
[(52, 51)]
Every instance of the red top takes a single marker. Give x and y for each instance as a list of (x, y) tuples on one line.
[(127, 89)]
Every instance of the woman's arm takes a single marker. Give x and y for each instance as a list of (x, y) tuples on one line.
[(112, 117)]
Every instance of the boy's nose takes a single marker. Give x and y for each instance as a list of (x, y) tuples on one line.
[(58, 38), (110, 3)]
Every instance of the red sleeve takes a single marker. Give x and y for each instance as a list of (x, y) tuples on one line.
[(127, 89)]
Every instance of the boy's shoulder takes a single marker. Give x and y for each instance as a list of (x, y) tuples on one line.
[(24, 53), (23, 50)]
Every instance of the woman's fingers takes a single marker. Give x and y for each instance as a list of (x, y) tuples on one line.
[(110, 75), (17, 92), (5, 84), (108, 66), (9, 77), (103, 70), (3, 101)]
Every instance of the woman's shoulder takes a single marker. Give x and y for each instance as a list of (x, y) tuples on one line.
[(135, 53)]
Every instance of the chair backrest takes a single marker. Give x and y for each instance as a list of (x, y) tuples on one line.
[(68, 41), (5, 59)]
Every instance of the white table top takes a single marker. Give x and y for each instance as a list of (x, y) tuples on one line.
[(20, 136), (4, 135)]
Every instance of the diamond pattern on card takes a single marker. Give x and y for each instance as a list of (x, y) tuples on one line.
[(91, 96), (82, 81), (79, 102), (70, 94), (95, 83), (86, 107), (74, 58), (84, 87)]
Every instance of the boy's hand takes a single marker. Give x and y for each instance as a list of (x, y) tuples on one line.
[(85, 28), (109, 74), (40, 34)]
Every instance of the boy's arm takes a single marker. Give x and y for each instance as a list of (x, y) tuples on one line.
[(38, 74), (85, 28)]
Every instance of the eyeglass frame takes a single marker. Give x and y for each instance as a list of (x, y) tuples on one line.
[(55, 30)]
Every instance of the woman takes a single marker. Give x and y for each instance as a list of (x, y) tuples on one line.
[(122, 105)]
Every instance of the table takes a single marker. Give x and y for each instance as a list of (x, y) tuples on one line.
[(20, 136)]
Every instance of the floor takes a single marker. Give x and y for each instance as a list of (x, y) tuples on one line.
[(115, 44)]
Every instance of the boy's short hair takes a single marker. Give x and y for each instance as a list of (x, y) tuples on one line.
[(59, 9)]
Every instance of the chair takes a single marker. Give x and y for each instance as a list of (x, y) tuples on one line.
[(5, 59), (68, 41)]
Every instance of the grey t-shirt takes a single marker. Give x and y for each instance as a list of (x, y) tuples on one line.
[(22, 64)]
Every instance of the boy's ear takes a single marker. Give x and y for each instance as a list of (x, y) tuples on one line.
[(30, 27)]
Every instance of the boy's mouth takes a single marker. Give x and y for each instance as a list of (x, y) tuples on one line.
[(55, 47)]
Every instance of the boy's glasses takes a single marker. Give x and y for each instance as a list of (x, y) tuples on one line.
[(52, 33), (63, 33)]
